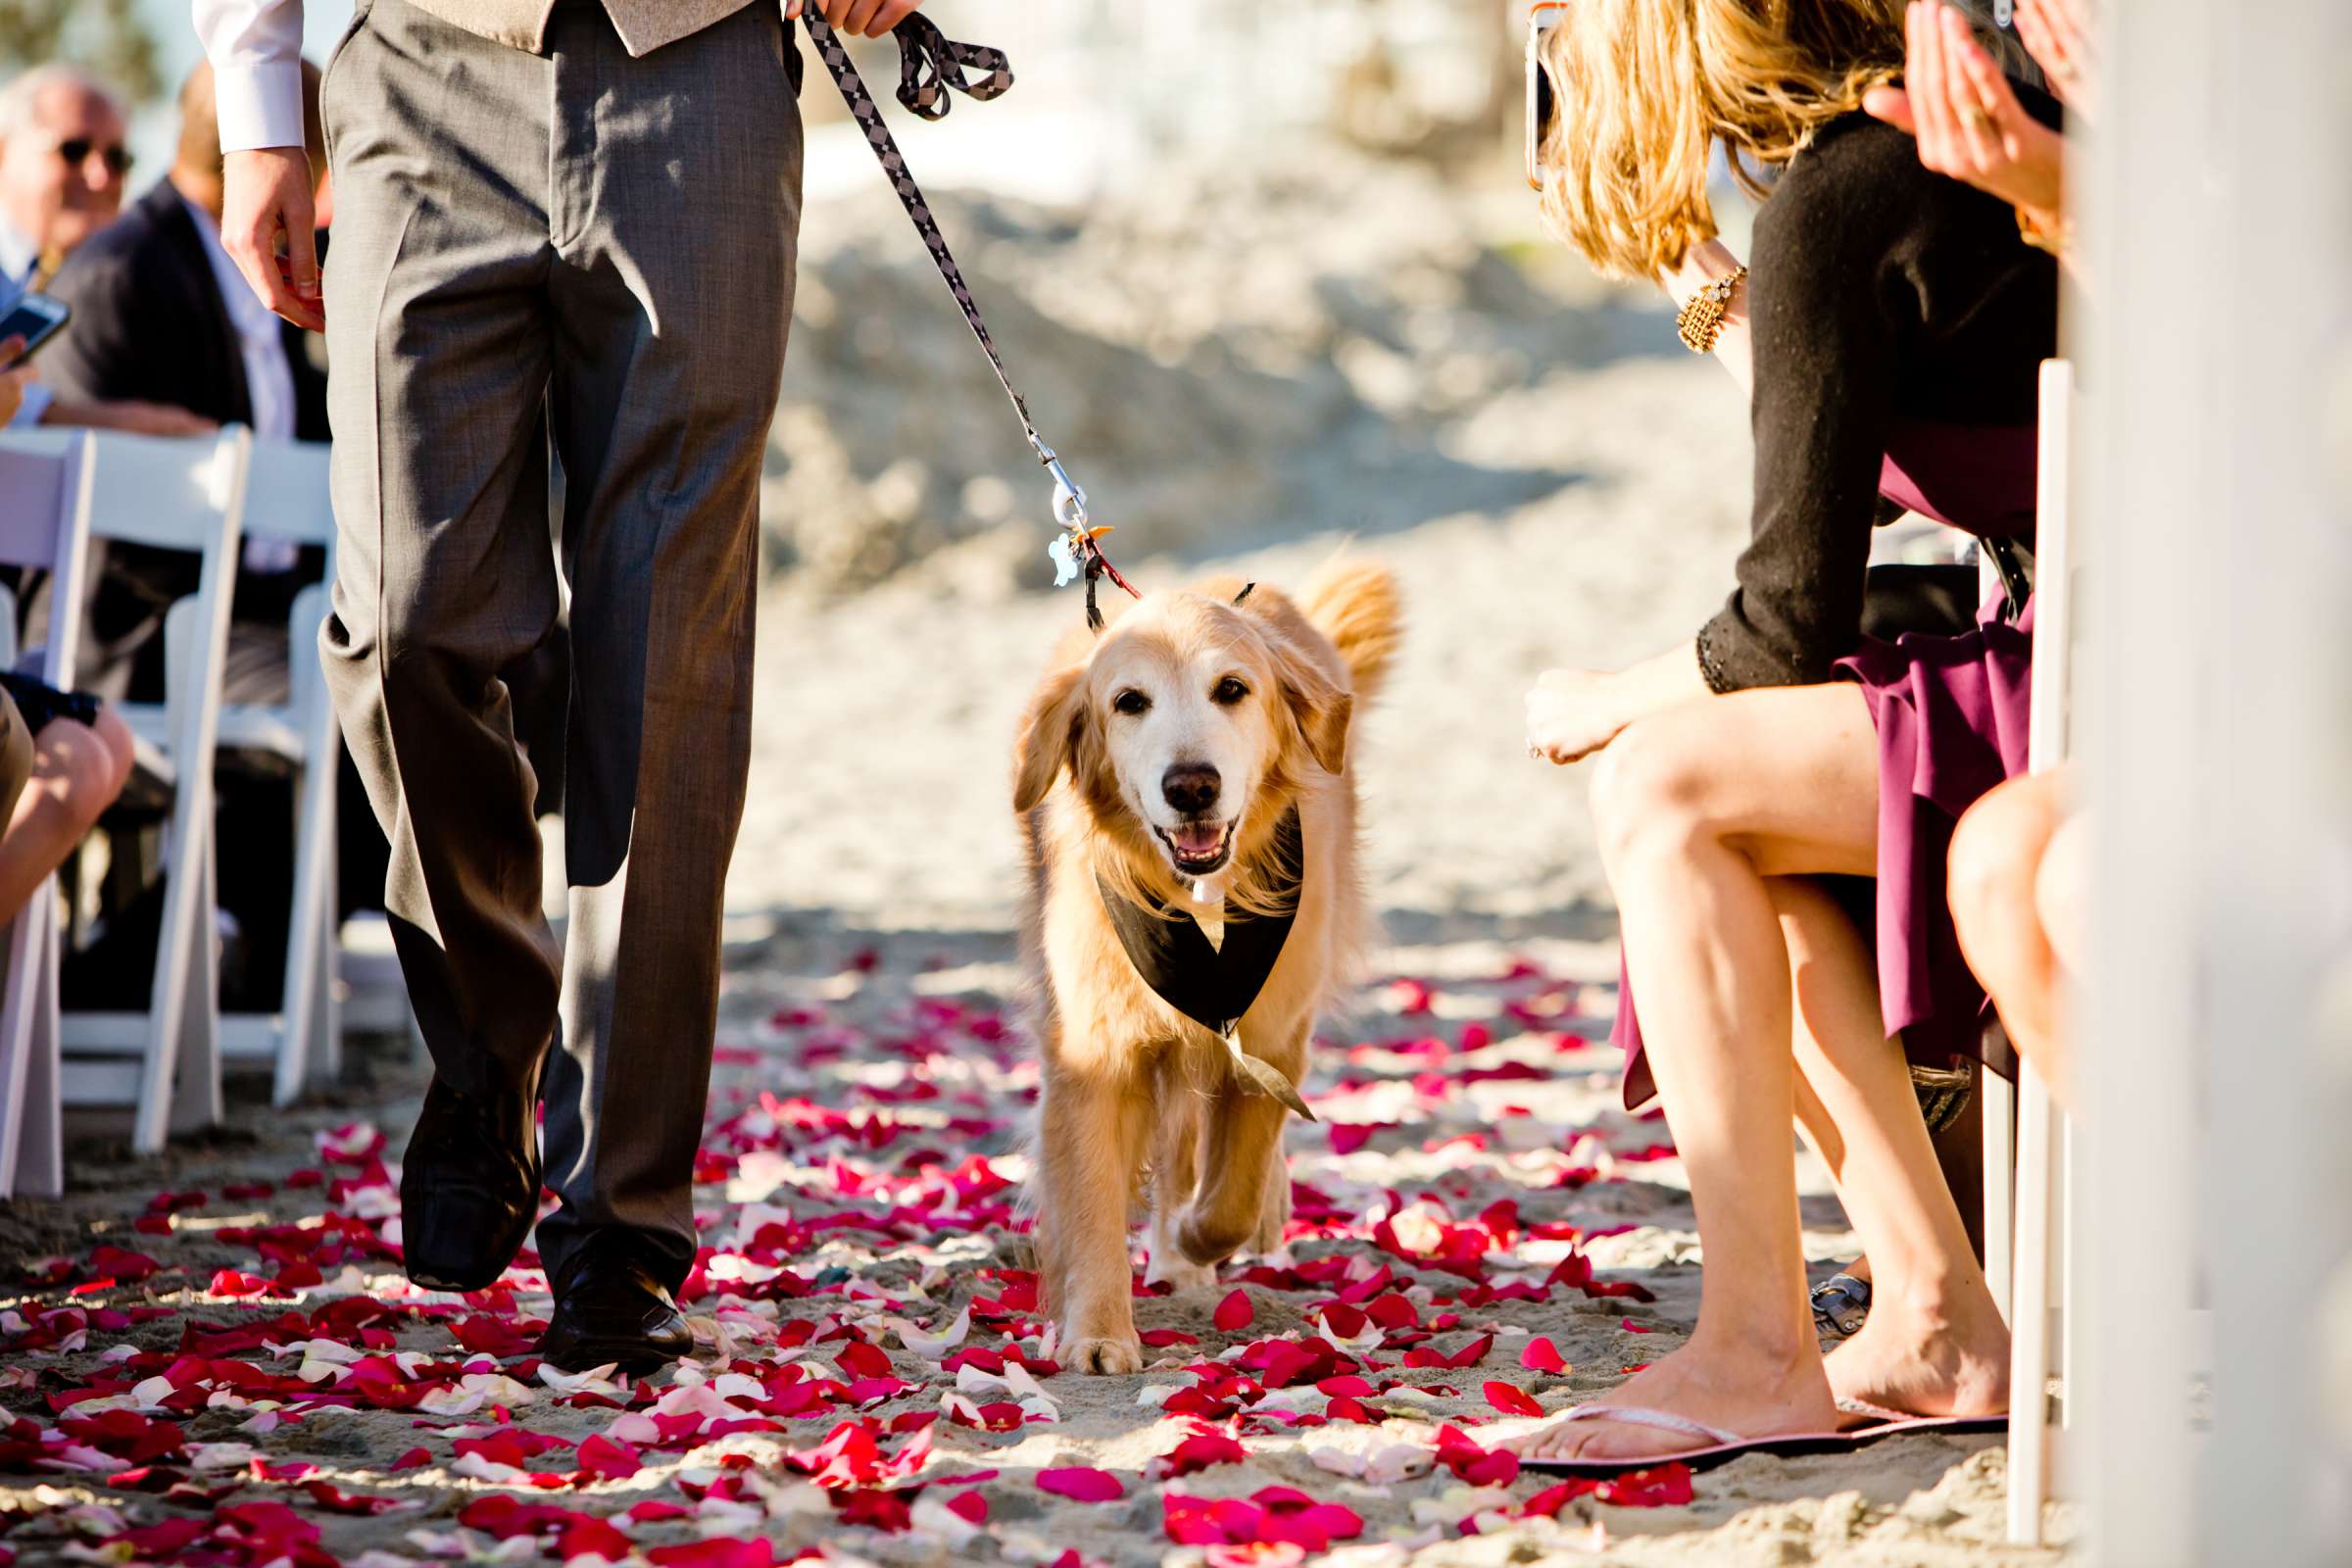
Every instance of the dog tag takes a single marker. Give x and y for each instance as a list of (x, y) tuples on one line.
[(1265, 1077)]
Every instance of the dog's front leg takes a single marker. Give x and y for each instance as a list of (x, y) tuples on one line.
[(1243, 1155), (1090, 1146)]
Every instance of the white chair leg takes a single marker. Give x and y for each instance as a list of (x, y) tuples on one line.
[(196, 1100), (1998, 1101), (300, 1045), (328, 1026), (42, 1146), (30, 1135), (2030, 1313)]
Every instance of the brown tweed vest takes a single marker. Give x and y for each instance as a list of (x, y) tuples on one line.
[(644, 26)]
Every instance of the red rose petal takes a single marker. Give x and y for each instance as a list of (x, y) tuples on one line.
[(1541, 1356), (1511, 1399), (1081, 1483), (1234, 1313)]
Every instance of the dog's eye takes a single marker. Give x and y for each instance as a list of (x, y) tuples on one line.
[(1229, 691), (1131, 702)]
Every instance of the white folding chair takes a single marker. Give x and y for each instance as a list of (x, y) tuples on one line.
[(286, 498), (2041, 1259), (44, 516), (186, 496)]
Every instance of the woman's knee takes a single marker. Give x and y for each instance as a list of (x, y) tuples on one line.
[(2062, 891), (84, 774), (1649, 790), (119, 753), (1995, 855)]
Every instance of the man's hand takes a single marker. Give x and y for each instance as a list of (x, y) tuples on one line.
[(269, 227), (859, 19)]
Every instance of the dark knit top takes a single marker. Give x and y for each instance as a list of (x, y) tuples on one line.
[(1898, 323)]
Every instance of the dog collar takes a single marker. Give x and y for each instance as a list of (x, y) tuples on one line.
[(1215, 986)]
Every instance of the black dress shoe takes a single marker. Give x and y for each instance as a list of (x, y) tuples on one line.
[(469, 1185), (611, 1307)]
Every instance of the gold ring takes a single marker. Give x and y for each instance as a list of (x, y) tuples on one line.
[(1978, 116)]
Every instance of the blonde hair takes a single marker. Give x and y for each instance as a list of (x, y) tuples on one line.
[(1646, 88)]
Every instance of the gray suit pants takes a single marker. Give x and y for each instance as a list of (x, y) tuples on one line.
[(595, 251)]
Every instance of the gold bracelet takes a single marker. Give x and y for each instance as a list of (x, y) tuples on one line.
[(1700, 322)]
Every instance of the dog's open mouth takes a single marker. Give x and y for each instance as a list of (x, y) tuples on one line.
[(1198, 847)]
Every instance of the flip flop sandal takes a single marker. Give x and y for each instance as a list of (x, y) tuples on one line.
[(1879, 1421), (1723, 1447), (1719, 1446), (1841, 1306)]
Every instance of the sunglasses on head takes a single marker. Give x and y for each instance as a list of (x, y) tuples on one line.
[(1542, 19), (77, 150)]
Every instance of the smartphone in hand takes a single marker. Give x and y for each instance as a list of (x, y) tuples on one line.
[(36, 319)]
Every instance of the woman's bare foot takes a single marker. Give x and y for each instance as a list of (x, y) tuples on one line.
[(1927, 1361), (1752, 1395)]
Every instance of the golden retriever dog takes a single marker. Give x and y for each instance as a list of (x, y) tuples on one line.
[(1160, 764)]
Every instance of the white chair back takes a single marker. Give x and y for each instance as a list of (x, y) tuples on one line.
[(2039, 1319), (44, 514), (44, 526), (289, 498), (187, 496)]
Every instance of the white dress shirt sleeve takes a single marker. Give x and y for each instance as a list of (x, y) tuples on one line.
[(255, 50)]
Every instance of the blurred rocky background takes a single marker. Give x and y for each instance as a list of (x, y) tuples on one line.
[(1255, 273)]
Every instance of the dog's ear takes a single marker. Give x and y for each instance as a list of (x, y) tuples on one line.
[(1319, 709), (1049, 734)]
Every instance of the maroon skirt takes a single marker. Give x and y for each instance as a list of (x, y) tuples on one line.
[(1951, 715)]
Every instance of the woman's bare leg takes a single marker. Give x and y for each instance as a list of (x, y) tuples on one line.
[(1933, 1344), (1995, 861), (78, 770), (1697, 809)]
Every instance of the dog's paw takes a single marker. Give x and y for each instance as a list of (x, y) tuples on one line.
[(1172, 1268), (1113, 1358)]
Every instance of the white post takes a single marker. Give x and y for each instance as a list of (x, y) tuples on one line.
[(2216, 722)]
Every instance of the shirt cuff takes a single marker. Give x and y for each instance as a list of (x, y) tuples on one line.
[(37, 399), (260, 105)]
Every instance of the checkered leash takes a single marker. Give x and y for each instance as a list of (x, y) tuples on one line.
[(929, 65)]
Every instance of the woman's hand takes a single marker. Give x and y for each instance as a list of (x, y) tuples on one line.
[(1968, 120), (2057, 34), (1571, 713)]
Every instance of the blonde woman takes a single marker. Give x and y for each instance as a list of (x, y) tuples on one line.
[(1892, 323)]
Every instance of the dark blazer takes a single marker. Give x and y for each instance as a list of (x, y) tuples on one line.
[(149, 323)]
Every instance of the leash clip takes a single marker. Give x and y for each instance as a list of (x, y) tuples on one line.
[(1069, 501)]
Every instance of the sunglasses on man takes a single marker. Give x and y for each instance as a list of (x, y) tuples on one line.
[(1542, 19), (76, 151)]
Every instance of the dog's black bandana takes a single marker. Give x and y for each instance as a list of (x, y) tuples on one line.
[(1215, 986)]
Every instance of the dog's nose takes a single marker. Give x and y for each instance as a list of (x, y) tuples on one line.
[(1189, 787)]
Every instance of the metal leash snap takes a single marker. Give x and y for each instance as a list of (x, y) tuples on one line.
[(1069, 500)]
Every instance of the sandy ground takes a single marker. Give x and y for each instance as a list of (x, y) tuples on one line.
[(863, 1150)]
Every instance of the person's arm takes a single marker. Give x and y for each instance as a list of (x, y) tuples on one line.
[(266, 182), (1819, 342), (1969, 125), (1704, 265)]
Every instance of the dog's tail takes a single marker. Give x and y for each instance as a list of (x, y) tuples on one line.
[(1353, 603)]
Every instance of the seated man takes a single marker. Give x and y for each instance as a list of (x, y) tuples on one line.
[(160, 315), (61, 169)]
